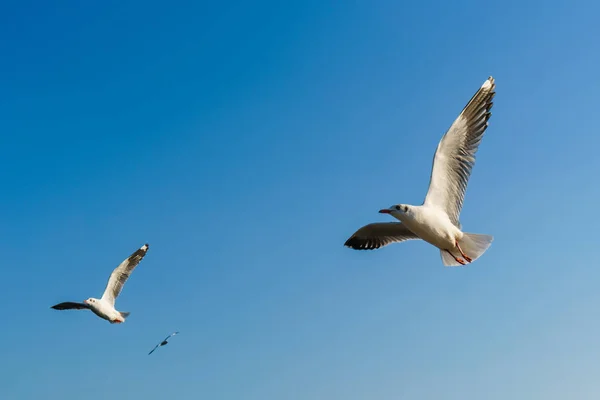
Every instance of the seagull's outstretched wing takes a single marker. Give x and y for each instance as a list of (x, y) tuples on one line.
[(455, 155), (379, 234), (120, 275), (155, 347), (69, 305)]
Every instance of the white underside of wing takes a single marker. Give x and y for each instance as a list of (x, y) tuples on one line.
[(455, 155)]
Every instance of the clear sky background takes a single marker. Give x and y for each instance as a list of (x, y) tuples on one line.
[(245, 142)]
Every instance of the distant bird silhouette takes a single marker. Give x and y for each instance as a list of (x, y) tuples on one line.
[(163, 342), (105, 306)]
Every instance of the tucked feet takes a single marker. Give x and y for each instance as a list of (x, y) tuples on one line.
[(462, 253), (458, 259)]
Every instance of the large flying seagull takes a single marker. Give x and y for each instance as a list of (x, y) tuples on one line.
[(437, 220)]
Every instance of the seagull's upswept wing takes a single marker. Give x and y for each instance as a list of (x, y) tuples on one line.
[(379, 234), (172, 334), (69, 305), (120, 275), (455, 155)]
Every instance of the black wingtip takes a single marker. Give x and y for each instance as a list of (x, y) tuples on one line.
[(356, 243), (349, 243)]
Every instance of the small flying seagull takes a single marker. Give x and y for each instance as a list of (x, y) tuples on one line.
[(164, 342), (105, 306), (437, 220)]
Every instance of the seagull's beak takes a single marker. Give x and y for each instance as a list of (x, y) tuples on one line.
[(384, 211)]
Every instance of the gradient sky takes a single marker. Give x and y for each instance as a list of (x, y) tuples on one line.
[(245, 142)]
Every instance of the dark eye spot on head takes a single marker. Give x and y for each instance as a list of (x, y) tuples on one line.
[(397, 208), (405, 208)]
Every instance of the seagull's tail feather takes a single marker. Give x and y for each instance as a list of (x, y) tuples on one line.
[(124, 314), (448, 260), (472, 244), (475, 244)]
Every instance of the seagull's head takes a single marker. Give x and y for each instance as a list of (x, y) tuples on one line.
[(91, 301), (398, 211)]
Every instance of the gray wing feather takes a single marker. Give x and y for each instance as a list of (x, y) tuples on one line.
[(120, 274), (455, 155), (69, 305), (379, 234)]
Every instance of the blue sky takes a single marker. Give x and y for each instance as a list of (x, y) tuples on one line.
[(245, 142)]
